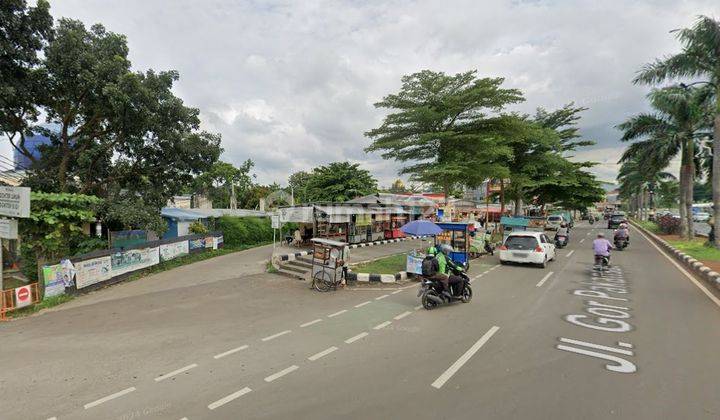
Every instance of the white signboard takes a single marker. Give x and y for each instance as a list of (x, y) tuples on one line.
[(23, 296), (134, 259), (8, 228), (92, 271), (15, 201), (173, 250), (275, 222)]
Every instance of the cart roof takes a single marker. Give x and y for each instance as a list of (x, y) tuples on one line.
[(328, 242)]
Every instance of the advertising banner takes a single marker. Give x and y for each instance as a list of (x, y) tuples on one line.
[(173, 250), (196, 244), (93, 271), (53, 278), (134, 259), (414, 263), (217, 242), (209, 241)]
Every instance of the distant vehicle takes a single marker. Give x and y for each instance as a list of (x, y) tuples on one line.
[(553, 222), (527, 247), (701, 216), (615, 220)]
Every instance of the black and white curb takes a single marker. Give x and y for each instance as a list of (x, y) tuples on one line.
[(378, 278), (700, 269), (384, 241), (290, 257)]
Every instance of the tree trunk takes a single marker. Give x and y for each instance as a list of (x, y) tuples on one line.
[(716, 167), (640, 203), (682, 208), (64, 161), (518, 206), (689, 180)]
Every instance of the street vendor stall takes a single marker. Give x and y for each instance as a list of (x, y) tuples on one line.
[(329, 263), (396, 222), (513, 224), (380, 224), (457, 235)]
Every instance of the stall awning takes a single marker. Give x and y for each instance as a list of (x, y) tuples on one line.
[(301, 214)]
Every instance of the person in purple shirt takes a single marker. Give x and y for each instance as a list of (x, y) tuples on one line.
[(601, 246)]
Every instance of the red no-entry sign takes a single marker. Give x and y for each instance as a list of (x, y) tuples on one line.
[(23, 297)]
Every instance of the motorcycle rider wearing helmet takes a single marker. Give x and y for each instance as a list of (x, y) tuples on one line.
[(563, 231), (434, 267), (450, 267), (622, 232)]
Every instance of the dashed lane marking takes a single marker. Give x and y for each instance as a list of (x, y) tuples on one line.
[(402, 315), (225, 400), (396, 292), (381, 297), (337, 313), (175, 372), (229, 352), (544, 279), (109, 397), (360, 305), (570, 253), (307, 324), (440, 381), (381, 326), (582, 240), (282, 373), (417, 307), (276, 335), (323, 353), (356, 338)]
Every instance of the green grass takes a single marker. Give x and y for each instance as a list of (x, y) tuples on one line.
[(651, 226), (697, 249), (270, 268), (386, 265)]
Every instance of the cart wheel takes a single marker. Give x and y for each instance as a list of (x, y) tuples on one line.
[(322, 281)]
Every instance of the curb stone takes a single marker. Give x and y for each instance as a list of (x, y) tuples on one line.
[(352, 277), (698, 268), (290, 257)]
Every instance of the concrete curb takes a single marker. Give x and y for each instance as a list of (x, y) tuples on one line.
[(371, 277), (290, 257), (695, 266)]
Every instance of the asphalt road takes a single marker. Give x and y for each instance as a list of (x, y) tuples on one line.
[(640, 343)]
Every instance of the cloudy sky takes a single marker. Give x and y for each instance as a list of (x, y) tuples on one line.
[(290, 84)]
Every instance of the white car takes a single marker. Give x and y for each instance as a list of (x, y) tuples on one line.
[(701, 216), (527, 247), (553, 222)]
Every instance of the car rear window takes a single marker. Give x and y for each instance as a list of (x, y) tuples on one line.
[(555, 218), (618, 217), (521, 242)]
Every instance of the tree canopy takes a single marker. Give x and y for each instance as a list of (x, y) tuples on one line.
[(339, 181)]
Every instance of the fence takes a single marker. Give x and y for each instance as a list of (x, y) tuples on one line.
[(19, 297)]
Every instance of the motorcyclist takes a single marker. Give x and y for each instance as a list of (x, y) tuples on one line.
[(602, 247), (434, 267), (563, 231), (488, 247), (450, 267), (622, 232)]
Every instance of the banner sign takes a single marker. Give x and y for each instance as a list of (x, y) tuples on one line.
[(414, 264), (8, 228), (195, 244), (134, 259), (217, 242), (54, 282), (93, 271), (209, 241), (15, 201), (173, 250)]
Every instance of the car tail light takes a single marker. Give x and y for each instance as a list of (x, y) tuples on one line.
[(538, 249), (503, 248)]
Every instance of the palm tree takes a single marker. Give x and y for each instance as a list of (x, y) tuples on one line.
[(681, 119), (700, 58), (636, 178)]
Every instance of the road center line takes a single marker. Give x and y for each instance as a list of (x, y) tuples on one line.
[(396, 292), (225, 400), (356, 338), (109, 397), (337, 313), (323, 353), (276, 335), (282, 373), (402, 315), (381, 297), (360, 305), (381, 326), (570, 253), (440, 381), (229, 352), (547, 276), (175, 372), (307, 324)]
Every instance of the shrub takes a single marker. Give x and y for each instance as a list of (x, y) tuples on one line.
[(198, 228), (669, 225), (244, 230)]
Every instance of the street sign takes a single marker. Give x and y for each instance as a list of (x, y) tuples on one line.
[(8, 228), (275, 222), (23, 296), (15, 201)]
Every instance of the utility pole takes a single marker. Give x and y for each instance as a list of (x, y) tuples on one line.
[(233, 198)]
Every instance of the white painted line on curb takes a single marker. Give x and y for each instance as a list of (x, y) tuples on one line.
[(337, 313), (356, 338), (440, 381), (381, 297), (229, 352), (544, 279), (175, 372), (381, 326), (570, 253), (323, 353), (225, 400), (109, 397), (276, 335), (360, 305), (307, 324), (396, 292), (402, 315), (282, 373)]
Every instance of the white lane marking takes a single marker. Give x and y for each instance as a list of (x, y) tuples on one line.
[(402, 315), (109, 397), (486, 271), (440, 381), (282, 373), (52, 418), (229, 352), (360, 305), (184, 418), (356, 338), (570, 253), (682, 270), (337, 313), (396, 292), (544, 279), (582, 240), (381, 326), (225, 400), (307, 324), (276, 335), (323, 353), (175, 372), (381, 297), (417, 307)]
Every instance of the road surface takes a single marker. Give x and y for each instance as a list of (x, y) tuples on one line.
[(640, 343)]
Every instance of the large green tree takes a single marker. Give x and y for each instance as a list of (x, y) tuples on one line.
[(440, 126), (297, 183), (699, 59), (339, 181), (222, 179)]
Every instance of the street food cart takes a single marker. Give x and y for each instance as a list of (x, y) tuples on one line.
[(329, 263), (457, 235), (396, 223)]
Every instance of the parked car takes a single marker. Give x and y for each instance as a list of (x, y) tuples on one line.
[(553, 222), (528, 248), (616, 219), (701, 216)]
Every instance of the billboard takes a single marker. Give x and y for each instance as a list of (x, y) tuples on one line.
[(134, 259), (173, 250), (93, 271)]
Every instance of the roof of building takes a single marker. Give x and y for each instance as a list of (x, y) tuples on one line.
[(196, 214)]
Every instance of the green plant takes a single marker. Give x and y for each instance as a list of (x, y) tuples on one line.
[(198, 228), (239, 231)]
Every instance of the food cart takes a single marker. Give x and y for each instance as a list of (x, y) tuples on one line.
[(457, 235), (361, 224), (329, 263), (396, 223)]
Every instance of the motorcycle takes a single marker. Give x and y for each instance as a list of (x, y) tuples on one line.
[(591, 220), (431, 292), (621, 243), (561, 241)]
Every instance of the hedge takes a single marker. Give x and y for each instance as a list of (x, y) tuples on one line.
[(239, 231)]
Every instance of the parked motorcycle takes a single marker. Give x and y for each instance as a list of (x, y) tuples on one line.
[(431, 292), (561, 241), (621, 243)]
